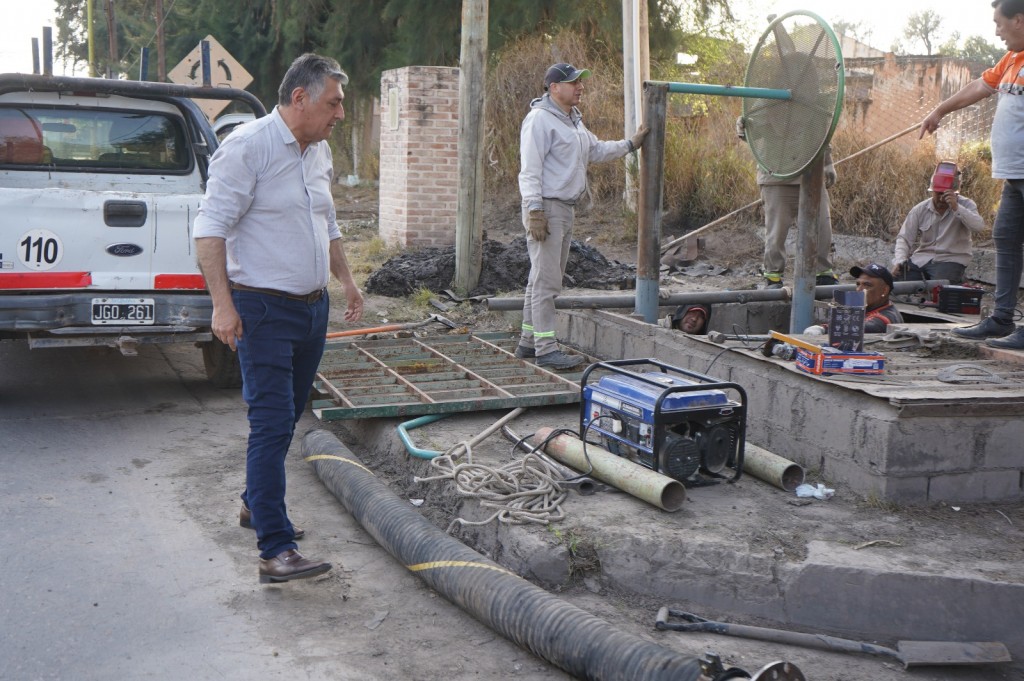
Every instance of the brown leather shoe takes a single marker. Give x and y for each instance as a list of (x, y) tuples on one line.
[(290, 565), (245, 520)]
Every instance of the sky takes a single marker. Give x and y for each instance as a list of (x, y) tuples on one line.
[(24, 19), (884, 18)]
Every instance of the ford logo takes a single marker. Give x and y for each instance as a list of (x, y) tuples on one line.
[(124, 250)]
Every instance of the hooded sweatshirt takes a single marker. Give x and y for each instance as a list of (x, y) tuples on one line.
[(555, 149)]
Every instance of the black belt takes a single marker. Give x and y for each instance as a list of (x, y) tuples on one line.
[(308, 299)]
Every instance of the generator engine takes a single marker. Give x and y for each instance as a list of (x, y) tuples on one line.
[(679, 423)]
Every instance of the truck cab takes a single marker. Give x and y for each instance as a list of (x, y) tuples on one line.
[(100, 182)]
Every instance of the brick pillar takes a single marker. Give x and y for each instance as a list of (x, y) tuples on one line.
[(419, 160)]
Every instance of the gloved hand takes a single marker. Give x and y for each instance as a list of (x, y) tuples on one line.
[(538, 225), (637, 140), (741, 128), (830, 175), (897, 269), (816, 330)]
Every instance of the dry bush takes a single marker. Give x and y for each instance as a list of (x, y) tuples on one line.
[(875, 191)]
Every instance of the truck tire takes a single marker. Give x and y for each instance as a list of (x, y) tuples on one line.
[(222, 368)]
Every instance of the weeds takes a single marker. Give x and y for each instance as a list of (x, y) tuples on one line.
[(582, 550)]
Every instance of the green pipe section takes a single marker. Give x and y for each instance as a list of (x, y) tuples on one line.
[(413, 450), (643, 483), (772, 468), (726, 90)]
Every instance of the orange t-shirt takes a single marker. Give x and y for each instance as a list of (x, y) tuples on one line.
[(1007, 79)]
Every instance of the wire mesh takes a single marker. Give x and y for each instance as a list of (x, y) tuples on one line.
[(799, 53)]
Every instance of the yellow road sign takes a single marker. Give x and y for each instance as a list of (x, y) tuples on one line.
[(225, 71)]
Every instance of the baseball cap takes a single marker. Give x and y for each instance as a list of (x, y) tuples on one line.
[(564, 73), (873, 270)]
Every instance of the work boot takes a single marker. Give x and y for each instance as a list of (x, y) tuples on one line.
[(559, 361), (289, 565), (1015, 341), (989, 327), (770, 282), (245, 520), (525, 352), (826, 280)]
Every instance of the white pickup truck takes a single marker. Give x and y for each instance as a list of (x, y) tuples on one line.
[(100, 181)]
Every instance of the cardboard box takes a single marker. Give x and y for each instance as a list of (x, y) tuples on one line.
[(825, 363)]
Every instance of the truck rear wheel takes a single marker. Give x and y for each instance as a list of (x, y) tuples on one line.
[(222, 368)]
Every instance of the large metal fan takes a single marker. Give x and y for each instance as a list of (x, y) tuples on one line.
[(800, 53)]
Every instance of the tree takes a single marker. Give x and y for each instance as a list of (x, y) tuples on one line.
[(978, 49), (853, 29), (922, 27)]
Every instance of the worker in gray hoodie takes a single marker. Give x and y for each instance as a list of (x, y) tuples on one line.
[(555, 150)]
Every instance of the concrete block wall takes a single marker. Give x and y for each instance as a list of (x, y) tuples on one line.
[(905, 453), (419, 155)]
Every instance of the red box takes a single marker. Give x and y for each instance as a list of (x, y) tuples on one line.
[(823, 363)]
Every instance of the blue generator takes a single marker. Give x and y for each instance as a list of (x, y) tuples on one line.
[(682, 424)]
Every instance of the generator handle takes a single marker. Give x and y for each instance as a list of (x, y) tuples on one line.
[(742, 444)]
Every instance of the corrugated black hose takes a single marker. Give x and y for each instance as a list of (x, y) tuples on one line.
[(562, 634)]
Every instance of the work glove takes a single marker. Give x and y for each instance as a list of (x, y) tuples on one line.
[(637, 140), (897, 269), (830, 175), (538, 225), (741, 128), (816, 330)]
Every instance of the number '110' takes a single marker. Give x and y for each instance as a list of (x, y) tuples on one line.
[(45, 250)]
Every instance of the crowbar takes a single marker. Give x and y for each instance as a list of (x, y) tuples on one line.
[(392, 327), (910, 653)]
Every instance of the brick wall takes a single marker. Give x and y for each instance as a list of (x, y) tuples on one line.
[(889, 94), (419, 135)]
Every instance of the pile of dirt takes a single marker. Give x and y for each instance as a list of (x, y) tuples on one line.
[(505, 267)]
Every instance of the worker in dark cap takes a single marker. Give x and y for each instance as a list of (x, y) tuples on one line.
[(555, 149), (692, 318), (876, 283)]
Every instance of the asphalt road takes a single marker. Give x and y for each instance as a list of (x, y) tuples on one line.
[(121, 555)]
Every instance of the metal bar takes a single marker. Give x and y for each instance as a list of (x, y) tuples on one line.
[(725, 90), (652, 172), (751, 296), (812, 186)]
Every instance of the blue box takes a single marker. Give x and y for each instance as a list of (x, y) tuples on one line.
[(825, 363)]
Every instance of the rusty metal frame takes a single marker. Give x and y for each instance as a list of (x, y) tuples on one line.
[(435, 375)]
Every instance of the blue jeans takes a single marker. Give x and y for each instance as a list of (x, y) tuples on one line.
[(279, 352), (1008, 233)]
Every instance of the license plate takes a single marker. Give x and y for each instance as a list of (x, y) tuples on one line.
[(122, 311)]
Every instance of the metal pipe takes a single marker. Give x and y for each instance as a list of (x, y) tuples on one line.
[(772, 468), (632, 478), (652, 173), (726, 90), (812, 186), (709, 297)]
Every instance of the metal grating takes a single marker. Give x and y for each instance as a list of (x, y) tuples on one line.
[(435, 375)]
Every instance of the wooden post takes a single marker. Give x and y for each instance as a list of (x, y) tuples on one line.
[(652, 170), (113, 68), (472, 88), (801, 313), (161, 51)]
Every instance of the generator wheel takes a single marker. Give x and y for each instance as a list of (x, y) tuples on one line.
[(222, 368)]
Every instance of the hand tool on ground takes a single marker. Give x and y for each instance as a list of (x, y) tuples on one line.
[(392, 327), (719, 337), (796, 342), (909, 653), (570, 478)]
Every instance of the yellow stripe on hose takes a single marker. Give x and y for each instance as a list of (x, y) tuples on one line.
[(433, 565), (320, 457)]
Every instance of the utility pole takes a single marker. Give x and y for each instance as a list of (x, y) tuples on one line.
[(90, 38), (636, 62), (111, 40), (472, 88), (161, 53)]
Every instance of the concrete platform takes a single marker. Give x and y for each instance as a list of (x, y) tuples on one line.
[(904, 437)]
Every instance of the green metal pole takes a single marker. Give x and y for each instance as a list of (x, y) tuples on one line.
[(726, 90)]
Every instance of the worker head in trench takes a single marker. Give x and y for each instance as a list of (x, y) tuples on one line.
[(876, 283), (692, 318)]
